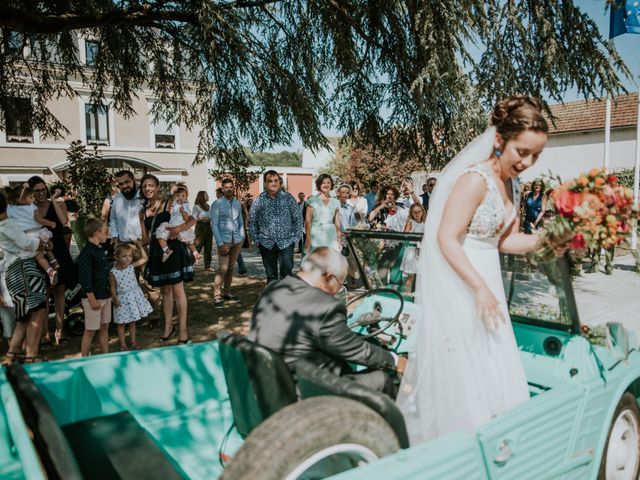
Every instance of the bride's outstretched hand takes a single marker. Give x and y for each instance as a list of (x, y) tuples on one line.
[(488, 307)]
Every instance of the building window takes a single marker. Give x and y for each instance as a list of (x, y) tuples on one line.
[(97, 124), (164, 135), (91, 52), (17, 119)]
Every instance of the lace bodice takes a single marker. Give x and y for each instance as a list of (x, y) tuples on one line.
[(491, 219)]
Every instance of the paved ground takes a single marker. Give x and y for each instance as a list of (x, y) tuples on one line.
[(610, 298), (251, 257)]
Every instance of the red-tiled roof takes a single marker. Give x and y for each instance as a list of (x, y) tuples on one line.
[(582, 115)]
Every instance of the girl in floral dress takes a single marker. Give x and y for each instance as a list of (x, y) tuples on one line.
[(415, 224), (129, 301)]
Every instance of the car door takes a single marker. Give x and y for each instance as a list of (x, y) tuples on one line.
[(452, 457), (535, 440)]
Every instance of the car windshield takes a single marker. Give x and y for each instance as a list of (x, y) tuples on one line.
[(538, 293), (386, 259)]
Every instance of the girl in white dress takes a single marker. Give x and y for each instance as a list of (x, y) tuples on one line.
[(414, 224), (130, 304), (466, 366)]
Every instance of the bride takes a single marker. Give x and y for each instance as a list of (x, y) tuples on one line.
[(466, 368)]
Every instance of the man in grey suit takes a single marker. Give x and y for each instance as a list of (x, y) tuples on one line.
[(299, 317)]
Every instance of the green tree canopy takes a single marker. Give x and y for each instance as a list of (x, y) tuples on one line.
[(415, 77), (280, 159)]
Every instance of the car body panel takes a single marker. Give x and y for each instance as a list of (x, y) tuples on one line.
[(177, 394), (18, 457), (452, 457)]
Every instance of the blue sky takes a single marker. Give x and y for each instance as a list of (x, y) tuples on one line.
[(627, 45)]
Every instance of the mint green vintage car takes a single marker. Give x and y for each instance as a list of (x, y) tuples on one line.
[(231, 409)]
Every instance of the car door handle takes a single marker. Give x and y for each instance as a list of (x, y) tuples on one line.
[(504, 454)]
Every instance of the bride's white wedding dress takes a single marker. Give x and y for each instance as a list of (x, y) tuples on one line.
[(461, 374)]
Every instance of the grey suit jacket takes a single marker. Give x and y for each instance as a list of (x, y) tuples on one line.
[(298, 320)]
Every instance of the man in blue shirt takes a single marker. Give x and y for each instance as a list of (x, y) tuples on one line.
[(347, 216), (371, 196), (228, 231), (275, 225), (346, 212)]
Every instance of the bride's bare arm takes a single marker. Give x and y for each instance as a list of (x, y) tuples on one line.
[(515, 242), (465, 197), (462, 203)]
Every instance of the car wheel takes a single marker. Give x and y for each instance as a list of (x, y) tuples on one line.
[(621, 457), (315, 438)]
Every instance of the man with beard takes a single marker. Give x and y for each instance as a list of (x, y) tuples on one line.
[(124, 225), (124, 219)]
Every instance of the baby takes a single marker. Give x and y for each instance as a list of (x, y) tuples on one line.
[(180, 213), (27, 218)]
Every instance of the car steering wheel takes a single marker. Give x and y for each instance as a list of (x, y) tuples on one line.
[(374, 317)]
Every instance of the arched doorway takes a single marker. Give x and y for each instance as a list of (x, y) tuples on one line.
[(115, 163)]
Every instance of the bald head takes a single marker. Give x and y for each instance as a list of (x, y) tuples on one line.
[(324, 268)]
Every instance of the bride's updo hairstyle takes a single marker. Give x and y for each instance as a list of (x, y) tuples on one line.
[(515, 114)]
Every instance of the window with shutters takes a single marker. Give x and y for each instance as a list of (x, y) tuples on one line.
[(17, 117), (97, 124), (164, 135)]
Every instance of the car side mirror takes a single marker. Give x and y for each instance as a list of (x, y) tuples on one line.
[(618, 339)]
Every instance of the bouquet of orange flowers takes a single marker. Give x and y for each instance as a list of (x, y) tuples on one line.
[(594, 212)]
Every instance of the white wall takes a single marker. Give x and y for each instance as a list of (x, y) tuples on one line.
[(317, 159), (568, 155)]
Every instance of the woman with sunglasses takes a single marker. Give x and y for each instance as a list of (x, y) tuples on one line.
[(358, 202)]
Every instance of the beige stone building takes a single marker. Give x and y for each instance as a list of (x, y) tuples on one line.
[(135, 143)]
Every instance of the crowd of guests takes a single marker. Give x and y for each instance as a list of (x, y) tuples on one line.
[(144, 238)]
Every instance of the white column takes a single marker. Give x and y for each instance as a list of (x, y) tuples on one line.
[(636, 177), (607, 134)]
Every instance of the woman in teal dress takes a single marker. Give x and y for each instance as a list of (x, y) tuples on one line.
[(322, 220)]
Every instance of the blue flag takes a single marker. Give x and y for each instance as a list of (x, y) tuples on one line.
[(625, 17)]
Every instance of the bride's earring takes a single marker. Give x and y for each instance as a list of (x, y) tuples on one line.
[(498, 152)]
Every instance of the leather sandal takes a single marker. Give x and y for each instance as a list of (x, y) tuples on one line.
[(11, 357), (34, 359)]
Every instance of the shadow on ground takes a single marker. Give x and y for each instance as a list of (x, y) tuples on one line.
[(203, 321)]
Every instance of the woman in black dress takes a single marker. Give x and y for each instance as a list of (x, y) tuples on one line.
[(171, 274), (55, 211)]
